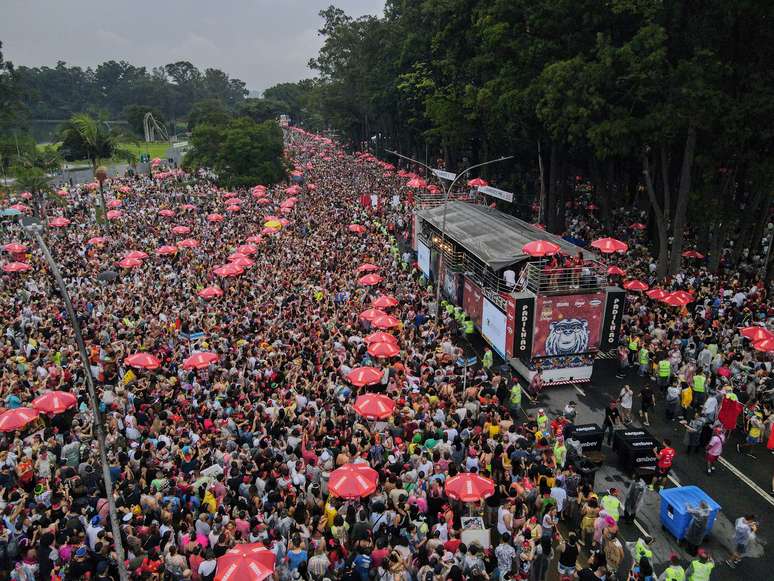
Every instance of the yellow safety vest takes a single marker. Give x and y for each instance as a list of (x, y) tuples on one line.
[(664, 368), (516, 394), (644, 356), (612, 506), (469, 328), (698, 383), (701, 571), (675, 573)]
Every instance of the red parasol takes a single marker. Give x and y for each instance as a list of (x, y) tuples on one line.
[(677, 300), (416, 183), (263, 201), (181, 230), (657, 294), (353, 481), (381, 337), (540, 248), (693, 254), (385, 322), (136, 254), (756, 334), (356, 228), (592, 206), (269, 231), (97, 240), (20, 207), (15, 248), (210, 292), (55, 402), (230, 269), (214, 217), (638, 226), (167, 213), (371, 314), (468, 487), (615, 271), (142, 361), (16, 267), (188, 207), (233, 208), (200, 360), (115, 204), (374, 406), (370, 280), (246, 562), (386, 349), (241, 260), (188, 243), (254, 239), (166, 250), (366, 267), (129, 263), (635, 285), (384, 302), (477, 183), (765, 345), (26, 195), (361, 376), (247, 249), (59, 222), (609, 245), (16, 419)]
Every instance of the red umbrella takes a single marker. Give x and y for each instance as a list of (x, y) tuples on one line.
[(15, 248), (361, 376), (386, 349), (254, 239), (246, 562), (188, 243), (230, 269), (657, 294), (241, 260), (635, 285), (676, 300), (142, 361), (366, 267), (693, 254), (167, 213), (385, 322), (59, 222), (233, 208), (20, 207), (353, 481), (381, 337), (638, 226), (684, 295), (477, 183), (416, 183), (263, 201), (188, 207), (26, 195), (468, 487), (115, 204), (55, 402), (247, 249), (210, 292), (200, 360), (269, 231), (16, 419), (356, 228), (540, 248), (166, 250), (374, 406), (129, 263), (724, 371), (609, 245), (230, 195), (614, 270), (371, 314), (97, 240), (370, 279), (756, 334), (765, 345), (136, 254), (16, 267), (214, 217), (384, 302), (181, 230)]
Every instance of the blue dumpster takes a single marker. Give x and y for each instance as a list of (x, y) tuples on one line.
[(674, 509)]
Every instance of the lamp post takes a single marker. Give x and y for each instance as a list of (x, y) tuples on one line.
[(446, 193), (101, 175), (33, 228)]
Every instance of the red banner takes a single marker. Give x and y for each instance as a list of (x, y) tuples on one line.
[(473, 301), (567, 324)]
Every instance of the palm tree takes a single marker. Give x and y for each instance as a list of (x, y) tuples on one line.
[(35, 181)]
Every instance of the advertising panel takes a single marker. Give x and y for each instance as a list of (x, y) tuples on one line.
[(524, 325), (567, 324), (451, 286), (494, 323), (473, 301), (423, 258), (611, 328)]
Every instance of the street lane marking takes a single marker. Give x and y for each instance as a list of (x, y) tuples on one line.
[(579, 390), (673, 479), (641, 529), (736, 472)]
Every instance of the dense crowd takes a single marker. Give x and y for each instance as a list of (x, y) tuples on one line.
[(241, 450)]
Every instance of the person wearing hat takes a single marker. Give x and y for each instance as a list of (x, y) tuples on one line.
[(612, 419), (700, 568), (675, 571)]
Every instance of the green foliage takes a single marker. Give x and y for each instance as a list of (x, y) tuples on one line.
[(135, 116), (86, 137), (260, 110), (209, 112), (242, 152)]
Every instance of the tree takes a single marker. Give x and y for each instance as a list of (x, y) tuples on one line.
[(208, 112), (260, 110), (11, 105), (84, 137)]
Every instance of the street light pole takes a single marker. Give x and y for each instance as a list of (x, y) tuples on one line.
[(33, 228), (447, 192)]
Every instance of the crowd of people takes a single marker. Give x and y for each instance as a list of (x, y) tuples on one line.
[(241, 450)]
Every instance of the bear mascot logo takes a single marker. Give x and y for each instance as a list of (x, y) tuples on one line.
[(568, 337)]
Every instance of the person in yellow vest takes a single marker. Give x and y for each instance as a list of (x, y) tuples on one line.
[(487, 360), (469, 327), (514, 402), (643, 358), (611, 504), (664, 373), (542, 421), (634, 347), (675, 571), (560, 452), (701, 568), (699, 387)]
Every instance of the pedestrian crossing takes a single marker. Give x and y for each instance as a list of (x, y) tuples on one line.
[(613, 354)]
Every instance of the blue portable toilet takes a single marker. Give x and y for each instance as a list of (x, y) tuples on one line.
[(674, 509)]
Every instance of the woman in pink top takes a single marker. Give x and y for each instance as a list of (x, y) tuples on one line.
[(715, 449)]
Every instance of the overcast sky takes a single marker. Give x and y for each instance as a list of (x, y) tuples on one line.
[(262, 42)]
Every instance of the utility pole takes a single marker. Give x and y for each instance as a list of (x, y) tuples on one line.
[(32, 227)]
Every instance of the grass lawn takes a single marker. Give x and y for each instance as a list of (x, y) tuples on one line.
[(158, 149)]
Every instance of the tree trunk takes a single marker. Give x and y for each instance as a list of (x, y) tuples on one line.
[(665, 183), (553, 171), (681, 208), (661, 226)]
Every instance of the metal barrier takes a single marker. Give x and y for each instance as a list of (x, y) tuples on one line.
[(540, 278)]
